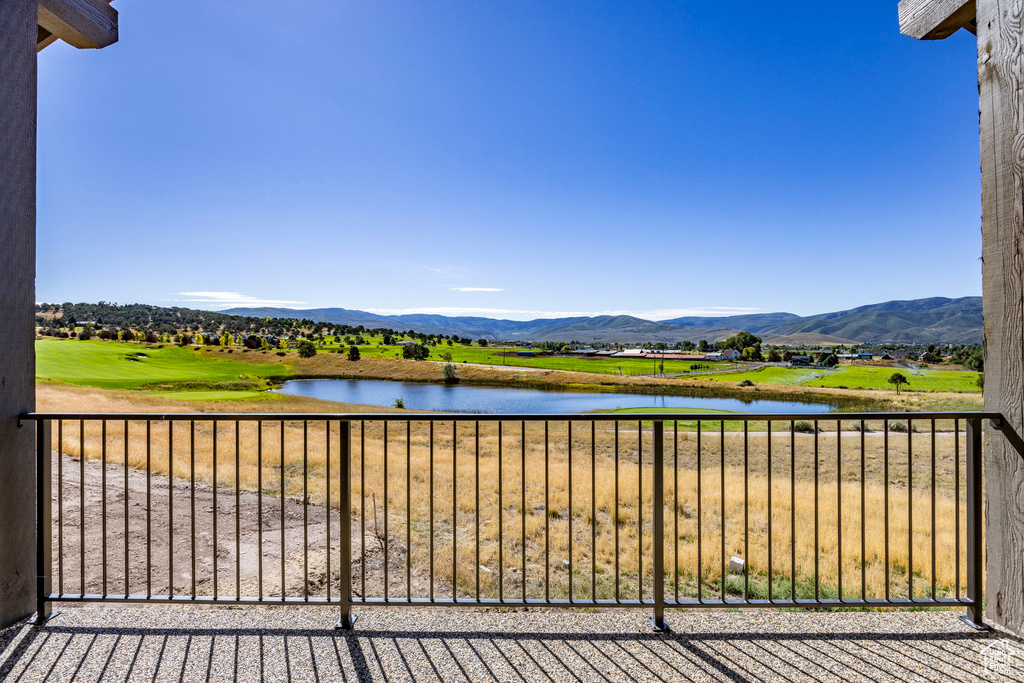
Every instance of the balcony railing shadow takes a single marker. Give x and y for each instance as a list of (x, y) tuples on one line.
[(448, 645)]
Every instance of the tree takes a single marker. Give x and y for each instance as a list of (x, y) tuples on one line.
[(482, 342), (830, 361), (446, 356), (702, 345), (353, 352), (415, 352), (898, 379), (86, 332), (307, 349)]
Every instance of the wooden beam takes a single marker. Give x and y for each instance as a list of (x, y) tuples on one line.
[(82, 23), (1000, 86), (936, 19), (18, 35), (44, 38)]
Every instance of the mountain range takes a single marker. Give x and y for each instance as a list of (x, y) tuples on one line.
[(932, 320)]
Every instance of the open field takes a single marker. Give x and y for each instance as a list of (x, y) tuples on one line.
[(862, 377), (458, 471), (113, 365)]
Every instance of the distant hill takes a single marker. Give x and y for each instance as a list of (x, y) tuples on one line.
[(937, 319)]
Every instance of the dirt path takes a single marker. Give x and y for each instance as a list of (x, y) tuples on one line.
[(239, 557)]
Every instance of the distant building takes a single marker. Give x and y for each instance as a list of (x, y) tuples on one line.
[(731, 354), (714, 355), (800, 360), (865, 355)]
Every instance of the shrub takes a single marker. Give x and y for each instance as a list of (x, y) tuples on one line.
[(415, 352), (803, 426), (399, 403), (280, 353), (306, 349), (353, 352), (449, 374), (897, 426), (745, 383)]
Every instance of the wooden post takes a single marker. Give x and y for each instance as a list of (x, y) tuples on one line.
[(18, 34), (1001, 89)]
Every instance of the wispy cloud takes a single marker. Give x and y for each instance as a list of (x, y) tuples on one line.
[(477, 289), (528, 314), (229, 300)]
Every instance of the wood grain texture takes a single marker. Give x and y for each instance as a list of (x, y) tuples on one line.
[(18, 35), (82, 23), (1001, 90), (936, 19)]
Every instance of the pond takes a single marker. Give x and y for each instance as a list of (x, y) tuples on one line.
[(461, 398)]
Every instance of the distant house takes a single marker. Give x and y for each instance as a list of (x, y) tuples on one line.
[(714, 355), (625, 353), (731, 354), (891, 354), (865, 355), (800, 360), (846, 356)]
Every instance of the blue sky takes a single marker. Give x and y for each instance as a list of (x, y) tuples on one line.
[(515, 159)]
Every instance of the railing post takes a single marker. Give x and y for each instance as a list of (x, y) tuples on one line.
[(44, 522), (658, 524), (345, 620), (975, 527)]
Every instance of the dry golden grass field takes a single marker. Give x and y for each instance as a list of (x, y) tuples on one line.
[(540, 486)]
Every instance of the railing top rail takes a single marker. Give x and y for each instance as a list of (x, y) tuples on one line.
[(514, 417)]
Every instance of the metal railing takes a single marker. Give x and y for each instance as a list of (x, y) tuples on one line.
[(656, 511)]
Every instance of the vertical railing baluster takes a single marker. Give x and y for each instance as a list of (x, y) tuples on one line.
[(284, 576), (910, 510), (60, 507), (640, 508), (863, 516), (327, 477), (387, 533), (700, 519), (721, 446), (975, 526), (770, 509), (547, 517), (675, 507), (455, 510), (149, 510), (44, 521), (817, 544), (127, 567), (170, 509), (571, 539), (501, 515), (885, 496), (103, 503), (259, 512), (933, 509), (362, 499), (216, 542), (792, 511), (746, 511), (431, 500), (476, 506), (238, 515), (345, 619), (658, 521), (522, 503), (81, 503), (956, 489), (408, 509), (839, 507), (192, 496), (305, 510), (617, 511)]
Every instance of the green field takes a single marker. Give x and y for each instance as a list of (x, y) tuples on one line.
[(861, 377), (488, 355), (112, 365)]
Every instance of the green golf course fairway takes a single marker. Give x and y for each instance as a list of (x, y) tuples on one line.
[(107, 365)]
